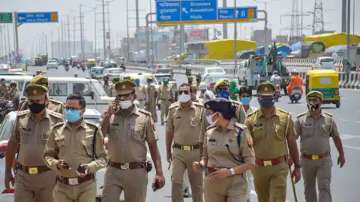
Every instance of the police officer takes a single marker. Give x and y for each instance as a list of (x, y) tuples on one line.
[(129, 129), (222, 90), (165, 98), (193, 87), (314, 128), (34, 181), (12, 92), (228, 154), (272, 130), (185, 128), (245, 95), (140, 93), (75, 151), (151, 98), (53, 104)]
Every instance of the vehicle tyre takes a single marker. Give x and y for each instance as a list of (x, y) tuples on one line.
[(337, 105)]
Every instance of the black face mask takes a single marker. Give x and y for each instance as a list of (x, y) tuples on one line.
[(313, 107), (36, 108), (266, 101)]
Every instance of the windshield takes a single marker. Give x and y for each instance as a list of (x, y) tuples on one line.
[(98, 88), (214, 78)]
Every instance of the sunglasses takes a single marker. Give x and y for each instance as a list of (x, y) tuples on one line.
[(184, 92)]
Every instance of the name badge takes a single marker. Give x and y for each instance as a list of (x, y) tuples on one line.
[(73, 181)]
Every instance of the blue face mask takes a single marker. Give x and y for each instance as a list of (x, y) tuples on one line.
[(72, 115), (245, 100), (223, 93), (266, 101)]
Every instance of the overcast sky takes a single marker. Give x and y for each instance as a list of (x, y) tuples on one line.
[(30, 34)]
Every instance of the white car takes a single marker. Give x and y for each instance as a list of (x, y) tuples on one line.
[(91, 115), (52, 64), (325, 62), (112, 73)]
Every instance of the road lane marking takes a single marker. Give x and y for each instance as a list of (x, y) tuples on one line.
[(351, 147), (349, 136)]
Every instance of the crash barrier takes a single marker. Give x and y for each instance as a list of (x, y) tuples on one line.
[(308, 62), (346, 80)]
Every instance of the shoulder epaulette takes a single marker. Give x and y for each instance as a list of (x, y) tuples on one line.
[(55, 101), (282, 111), (174, 105), (198, 104), (240, 126), (57, 115), (253, 113), (91, 124), (328, 114), (145, 112), (210, 127), (22, 113), (58, 124), (301, 114)]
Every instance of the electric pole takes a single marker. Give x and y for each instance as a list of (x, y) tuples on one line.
[(225, 30), (318, 17), (82, 34), (95, 36), (68, 32), (137, 15), (108, 34), (103, 25)]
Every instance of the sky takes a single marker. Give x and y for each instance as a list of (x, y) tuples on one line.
[(31, 35)]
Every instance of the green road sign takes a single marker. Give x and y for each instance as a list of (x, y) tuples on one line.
[(6, 18)]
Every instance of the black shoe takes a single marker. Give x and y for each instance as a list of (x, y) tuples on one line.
[(186, 193)]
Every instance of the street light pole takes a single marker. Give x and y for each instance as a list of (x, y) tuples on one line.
[(103, 25), (348, 33), (235, 36), (127, 31)]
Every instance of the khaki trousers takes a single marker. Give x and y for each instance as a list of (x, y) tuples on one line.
[(183, 160), (230, 189), (132, 182), (320, 171), (84, 192), (270, 182), (34, 188)]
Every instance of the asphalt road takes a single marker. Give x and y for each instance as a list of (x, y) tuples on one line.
[(345, 181)]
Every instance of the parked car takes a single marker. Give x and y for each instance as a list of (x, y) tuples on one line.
[(6, 127), (52, 64), (112, 73), (325, 62)]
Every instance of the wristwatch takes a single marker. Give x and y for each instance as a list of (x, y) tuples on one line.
[(232, 171)]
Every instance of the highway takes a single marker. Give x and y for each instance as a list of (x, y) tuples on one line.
[(345, 181)]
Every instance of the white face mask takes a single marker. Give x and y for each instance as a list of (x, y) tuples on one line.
[(184, 98), (125, 104)]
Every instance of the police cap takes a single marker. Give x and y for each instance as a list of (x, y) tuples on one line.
[(222, 83), (125, 87), (315, 94), (266, 89), (222, 105), (40, 80), (35, 91)]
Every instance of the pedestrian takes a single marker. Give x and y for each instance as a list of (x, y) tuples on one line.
[(107, 86), (3, 88), (75, 151), (165, 100), (34, 181), (245, 95), (53, 105), (140, 92), (228, 154), (128, 129), (272, 130), (315, 127), (222, 90), (151, 98), (185, 128)]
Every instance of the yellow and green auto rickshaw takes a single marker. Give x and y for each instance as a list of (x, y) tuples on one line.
[(325, 81), (91, 62)]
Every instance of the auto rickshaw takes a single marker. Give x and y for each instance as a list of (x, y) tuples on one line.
[(325, 81), (90, 63)]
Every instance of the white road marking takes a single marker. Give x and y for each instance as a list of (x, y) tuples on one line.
[(351, 147), (349, 136)]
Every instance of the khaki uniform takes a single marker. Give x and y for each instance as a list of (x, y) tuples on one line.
[(151, 97), (31, 136), (140, 93), (194, 89), (240, 113), (75, 147), (165, 97), (3, 91), (53, 105), (128, 135), (270, 136), (314, 140), (11, 94), (188, 127), (233, 188)]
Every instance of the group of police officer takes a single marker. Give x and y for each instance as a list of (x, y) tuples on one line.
[(58, 152), (8, 92)]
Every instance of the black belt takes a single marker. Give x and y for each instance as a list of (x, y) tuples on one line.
[(186, 147), (75, 180), (127, 166), (32, 170)]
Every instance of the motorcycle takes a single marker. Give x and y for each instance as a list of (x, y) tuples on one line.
[(296, 94), (6, 106)]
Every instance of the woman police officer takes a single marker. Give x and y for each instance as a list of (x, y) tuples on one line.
[(227, 154)]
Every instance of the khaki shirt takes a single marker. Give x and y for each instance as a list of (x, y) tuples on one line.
[(216, 152), (53, 105), (11, 94), (270, 135), (140, 93), (240, 113), (75, 147), (32, 135), (165, 93), (151, 94), (314, 134), (3, 90), (188, 126), (128, 135)]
